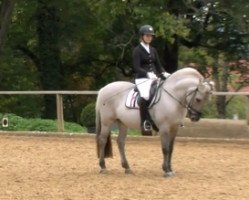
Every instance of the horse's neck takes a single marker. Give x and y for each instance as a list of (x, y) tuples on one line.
[(179, 87), (185, 72), (183, 78), (186, 83)]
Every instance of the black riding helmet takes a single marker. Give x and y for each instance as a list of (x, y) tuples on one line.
[(146, 29)]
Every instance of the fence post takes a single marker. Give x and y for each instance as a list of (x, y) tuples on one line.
[(247, 110), (60, 118)]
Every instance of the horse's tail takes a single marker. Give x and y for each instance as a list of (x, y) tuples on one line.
[(108, 146)]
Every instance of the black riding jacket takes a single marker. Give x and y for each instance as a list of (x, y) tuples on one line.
[(144, 62)]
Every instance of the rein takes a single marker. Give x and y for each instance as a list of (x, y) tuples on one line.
[(187, 106)]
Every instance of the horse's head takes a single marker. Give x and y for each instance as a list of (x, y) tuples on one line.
[(196, 97)]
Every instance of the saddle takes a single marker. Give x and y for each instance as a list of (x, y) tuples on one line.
[(133, 97), (132, 100)]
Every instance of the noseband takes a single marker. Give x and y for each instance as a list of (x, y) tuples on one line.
[(191, 110)]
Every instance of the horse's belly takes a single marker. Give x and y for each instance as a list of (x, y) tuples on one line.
[(130, 118)]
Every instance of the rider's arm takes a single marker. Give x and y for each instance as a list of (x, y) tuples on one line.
[(136, 59)]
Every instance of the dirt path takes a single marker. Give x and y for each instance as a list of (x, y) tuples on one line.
[(66, 168)]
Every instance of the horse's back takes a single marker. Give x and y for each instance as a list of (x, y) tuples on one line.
[(114, 90), (117, 85)]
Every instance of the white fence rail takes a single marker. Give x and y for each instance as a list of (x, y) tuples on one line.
[(59, 100)]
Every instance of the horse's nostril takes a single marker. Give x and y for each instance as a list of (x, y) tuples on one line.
[(194, 118)]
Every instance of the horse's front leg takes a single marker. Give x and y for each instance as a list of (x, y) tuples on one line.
[(167, 141), (121, 146)]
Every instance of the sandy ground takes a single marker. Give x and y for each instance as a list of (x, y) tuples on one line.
[(66, 168)]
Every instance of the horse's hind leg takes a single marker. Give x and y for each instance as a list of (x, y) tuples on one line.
[(105, 132), (121, 146)]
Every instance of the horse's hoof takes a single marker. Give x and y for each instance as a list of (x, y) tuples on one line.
[(169, 174), (103, 171), (129, 171)]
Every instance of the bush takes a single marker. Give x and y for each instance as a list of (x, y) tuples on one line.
[(87, 117), (236, 106), (17, 123)]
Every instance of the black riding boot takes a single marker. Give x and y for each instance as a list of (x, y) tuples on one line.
[(146, 127)]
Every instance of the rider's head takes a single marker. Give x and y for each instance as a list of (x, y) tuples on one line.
[(146, 33)]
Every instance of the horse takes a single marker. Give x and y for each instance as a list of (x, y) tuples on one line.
[(183, 94)]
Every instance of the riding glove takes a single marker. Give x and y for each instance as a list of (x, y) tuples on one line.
[(151, 75), (166, 74)]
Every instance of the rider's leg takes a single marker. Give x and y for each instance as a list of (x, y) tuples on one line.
[(143, 86), (145, 121)]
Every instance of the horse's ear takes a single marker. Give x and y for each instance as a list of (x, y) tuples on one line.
[(209, 83), (201, 87), (201, 80), (212, 84)]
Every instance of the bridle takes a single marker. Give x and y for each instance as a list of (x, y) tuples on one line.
[(191, 110), (188, 106)]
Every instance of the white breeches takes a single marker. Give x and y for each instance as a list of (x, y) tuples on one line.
[(143, 86)]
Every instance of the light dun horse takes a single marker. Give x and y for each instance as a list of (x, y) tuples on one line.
[(184, 92)]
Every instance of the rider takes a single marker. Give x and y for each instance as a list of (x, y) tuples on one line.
[(147, 68)]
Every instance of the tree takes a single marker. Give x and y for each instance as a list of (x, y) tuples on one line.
[(85, 44), (6, 9), (227, 40), (48, 52), (60, 44)]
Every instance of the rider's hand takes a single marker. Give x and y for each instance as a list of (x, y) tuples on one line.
[(151, 75), (165, 74)]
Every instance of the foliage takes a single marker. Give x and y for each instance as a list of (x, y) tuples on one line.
[(20, 103), (236, 107), (6, 9), (134, 132), (87, 117), (228, 74), (17, 123), (85, 44)]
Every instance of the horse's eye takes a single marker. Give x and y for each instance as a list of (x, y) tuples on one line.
[(198, 100)]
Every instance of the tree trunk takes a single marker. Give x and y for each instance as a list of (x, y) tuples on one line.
[(222, 100), (6, 9), (170, 56), (221, 106), (221, 78), (48, 53)]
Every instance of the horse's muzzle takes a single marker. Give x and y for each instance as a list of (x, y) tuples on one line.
[(194, 118), (194, 115)]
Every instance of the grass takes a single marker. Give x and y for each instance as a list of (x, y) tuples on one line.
[(131, 132), (17, 123)]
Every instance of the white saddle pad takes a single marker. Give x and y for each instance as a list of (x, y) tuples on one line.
[(131, 100)]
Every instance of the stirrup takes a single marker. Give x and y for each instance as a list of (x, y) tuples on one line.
[(147, 125), (181, 125)]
